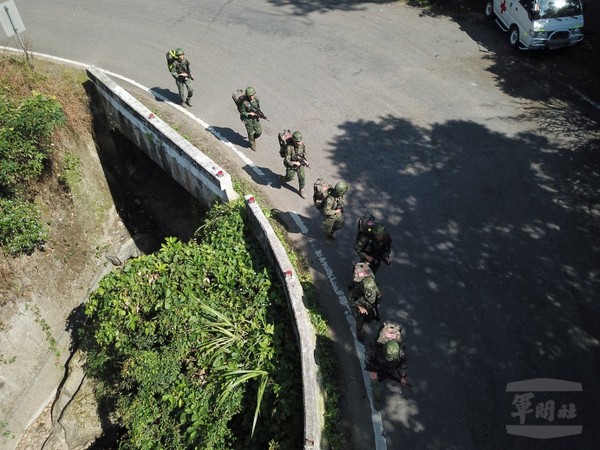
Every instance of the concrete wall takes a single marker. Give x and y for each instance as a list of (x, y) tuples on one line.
[(207, 181), (314, 404), (196, 172)]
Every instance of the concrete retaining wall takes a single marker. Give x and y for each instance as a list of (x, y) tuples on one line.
[(192, 169), (314, 404), (207, 181)]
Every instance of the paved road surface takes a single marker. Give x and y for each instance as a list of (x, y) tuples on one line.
[(482, 162)]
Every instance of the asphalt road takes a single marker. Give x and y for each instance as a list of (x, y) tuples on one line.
[(481, 162)]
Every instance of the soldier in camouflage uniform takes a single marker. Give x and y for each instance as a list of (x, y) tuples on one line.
[(374, 245), (180, 70), (250, 117), (386, 357), (294, 161), (332, 209), (364, 297)]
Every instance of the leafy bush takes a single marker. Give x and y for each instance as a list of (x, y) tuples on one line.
[(193, 342), (20, 228), (25, 133)]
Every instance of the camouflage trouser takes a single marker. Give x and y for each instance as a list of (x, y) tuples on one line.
[(361, 319), (331, 224), (182, 86), (253, 129), (290, 173)]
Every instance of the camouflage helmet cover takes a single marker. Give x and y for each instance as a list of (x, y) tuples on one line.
[(392, 350), (179, 52), (297, 136), (250, 91), (341, 188)]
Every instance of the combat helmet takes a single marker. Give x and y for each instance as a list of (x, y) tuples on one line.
[(340, 188), (179, 52), (250, 91), (297, 136), (392, 350)]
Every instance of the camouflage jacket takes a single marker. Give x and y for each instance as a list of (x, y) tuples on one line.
[(360, 294), (180, 67), (331, 204), (376, 362), (293, 153), (248, 107), (365, 244)]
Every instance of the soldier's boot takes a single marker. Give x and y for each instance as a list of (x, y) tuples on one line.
[(282, 179), (253, 145), (188, 101), (302, 193)]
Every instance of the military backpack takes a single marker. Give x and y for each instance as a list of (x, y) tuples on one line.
[(238, 98), (360, 271), (284, 138), (321, 191), (171, 58), (390, 332)]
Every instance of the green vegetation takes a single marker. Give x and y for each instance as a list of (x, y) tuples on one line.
[(20, 228), (201, 337), (193, 348), (26, 127)]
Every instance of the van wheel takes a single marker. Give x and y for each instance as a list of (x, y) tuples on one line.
[(488, 10), (513, 36)]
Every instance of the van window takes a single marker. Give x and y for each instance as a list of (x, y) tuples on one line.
[(559, 8)]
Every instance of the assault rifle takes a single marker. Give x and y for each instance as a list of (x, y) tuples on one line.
[(383, 376), (370, 307), (258, 112), (303, 162)]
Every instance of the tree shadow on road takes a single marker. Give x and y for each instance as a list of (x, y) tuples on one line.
[(495, 267), (307, 7)]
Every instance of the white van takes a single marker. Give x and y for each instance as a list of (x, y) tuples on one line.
[(538, 24)]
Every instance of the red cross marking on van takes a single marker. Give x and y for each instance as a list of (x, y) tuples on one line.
[(503, 7)]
